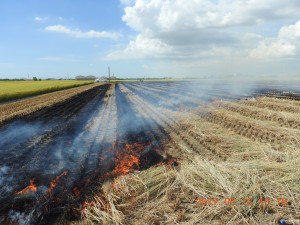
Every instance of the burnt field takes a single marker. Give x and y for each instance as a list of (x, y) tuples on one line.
[(120, 153)]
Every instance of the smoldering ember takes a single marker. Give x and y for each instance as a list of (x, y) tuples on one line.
[(108, 153)]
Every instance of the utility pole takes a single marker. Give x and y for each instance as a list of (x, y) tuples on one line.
[(108, 74)]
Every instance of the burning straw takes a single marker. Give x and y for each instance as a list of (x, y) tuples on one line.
[(28, 189)]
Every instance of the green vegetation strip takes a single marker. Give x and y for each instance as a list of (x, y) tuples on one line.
[(13, 90)]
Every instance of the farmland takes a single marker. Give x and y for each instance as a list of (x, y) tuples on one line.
[(11, 90), (152, 153), (27, 107)]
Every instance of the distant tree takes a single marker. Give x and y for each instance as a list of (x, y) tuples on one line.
[(103, 78), (79, 77), (90, 77), (40, 79), (35, 78)]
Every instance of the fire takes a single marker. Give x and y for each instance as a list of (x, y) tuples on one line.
[(56, 166), (182, 108), (76, 192), (125, 165), (126, 158), (28, 189), (55, 182), (217, 101), (98, 202), (170, 161), (251, 99)]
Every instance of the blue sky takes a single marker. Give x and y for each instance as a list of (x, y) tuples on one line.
[(26, 47), (51, 38)]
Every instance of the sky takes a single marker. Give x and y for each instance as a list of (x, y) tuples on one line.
[(149, 38)]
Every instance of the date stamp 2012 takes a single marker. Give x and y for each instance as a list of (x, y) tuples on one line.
[(243, 201)]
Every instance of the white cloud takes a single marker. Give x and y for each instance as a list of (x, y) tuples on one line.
[(80, 34), (285, 45), (143, 47), (182, 29), (274, 49), (57, 59), (291, 32), (40, 19), (166, 15)]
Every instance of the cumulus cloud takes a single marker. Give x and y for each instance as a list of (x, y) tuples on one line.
[(291, 32), (183, 29), (150, 48), (285, 45), (143, 47), (273, 49), (80, 34)]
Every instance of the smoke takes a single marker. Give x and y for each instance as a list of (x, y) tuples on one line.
[(174, 95), (3, 173), (44, 149), (20, 218), (18, 132)]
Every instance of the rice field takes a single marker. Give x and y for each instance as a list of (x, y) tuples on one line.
[(26, 107), (12, 90)]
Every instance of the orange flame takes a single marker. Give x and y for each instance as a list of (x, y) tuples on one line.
[(55, 182), (56, 166), (76, 192), (99, 202), (28, 189), (216, 101), (127, 158), (170, 161), (107, 153), (125, 165), (182, 108)]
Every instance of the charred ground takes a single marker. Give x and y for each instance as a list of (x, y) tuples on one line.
[(55, 160)]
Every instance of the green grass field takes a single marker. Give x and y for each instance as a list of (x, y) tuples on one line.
[(12, 90)]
